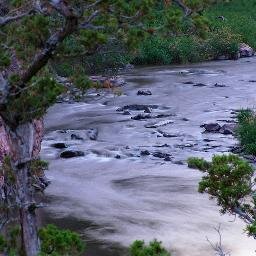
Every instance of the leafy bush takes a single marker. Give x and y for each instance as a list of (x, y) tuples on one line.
[(138, 248), (246, 131), (228, 179), (57, 242)]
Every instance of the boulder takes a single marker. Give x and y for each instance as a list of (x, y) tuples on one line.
[(71, 153), (228, 129), (211, 127), (245, 50)]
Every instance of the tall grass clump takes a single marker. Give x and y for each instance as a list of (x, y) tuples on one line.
[(246, 131)]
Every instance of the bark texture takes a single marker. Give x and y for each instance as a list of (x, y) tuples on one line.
[(22, 145)]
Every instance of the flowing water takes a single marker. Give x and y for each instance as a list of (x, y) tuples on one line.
[(114, 195)]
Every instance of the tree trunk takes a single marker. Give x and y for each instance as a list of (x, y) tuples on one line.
[(24, 145)]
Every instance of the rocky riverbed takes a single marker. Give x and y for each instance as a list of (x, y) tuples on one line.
[(118, 162)]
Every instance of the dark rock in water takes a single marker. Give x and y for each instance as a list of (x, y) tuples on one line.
[(220, 85), (71, 153), (141, 117), (144, 153), (93, 134), (126, 113), (118, 157), (208, 140), (228, 129), (179, 162), (147, 110), (185, 119), (211, 127), (163, 146), (200, 85), (137, 107), (59, 145), (188, 82), (144, 93), (236, 150), (167, 159), (252, 81), (161, 155), (75, 137), (162, 115)]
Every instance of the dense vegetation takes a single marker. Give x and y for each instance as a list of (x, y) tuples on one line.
[(222, 27)]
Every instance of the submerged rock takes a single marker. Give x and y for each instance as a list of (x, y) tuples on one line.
[(200, 85), (159, 124), (144, 92), (141, 117), (93, 134), (71, 153), (137, 107), (76, 137), (59, 145), (144, 153)]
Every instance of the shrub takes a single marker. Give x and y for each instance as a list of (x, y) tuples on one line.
[(59, 242), (246, 131), (198, 163), (228, 179), (138, 248)]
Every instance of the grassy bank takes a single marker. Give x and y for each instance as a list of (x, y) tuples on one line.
[(229, 24)]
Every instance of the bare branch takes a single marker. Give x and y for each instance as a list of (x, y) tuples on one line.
[(187, 11), (89, 20), (218, 247), (8, 19), (90, 6)]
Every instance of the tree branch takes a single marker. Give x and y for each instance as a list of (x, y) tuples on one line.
[(8, 19), (52, 43), (185, 9)]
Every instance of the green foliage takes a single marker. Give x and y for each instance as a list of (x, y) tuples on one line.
[(139, 248), (198, 163), (246, 131), (230, 180), (34, 100), (57, 242), (10, 244)]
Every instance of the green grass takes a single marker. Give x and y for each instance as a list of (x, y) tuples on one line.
[(246, 131), (198, 163), (240, 17)]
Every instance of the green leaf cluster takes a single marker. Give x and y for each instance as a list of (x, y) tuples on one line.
[(154, 248), (58, 242)]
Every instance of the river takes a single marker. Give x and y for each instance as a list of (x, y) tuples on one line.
[(117, 193)]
